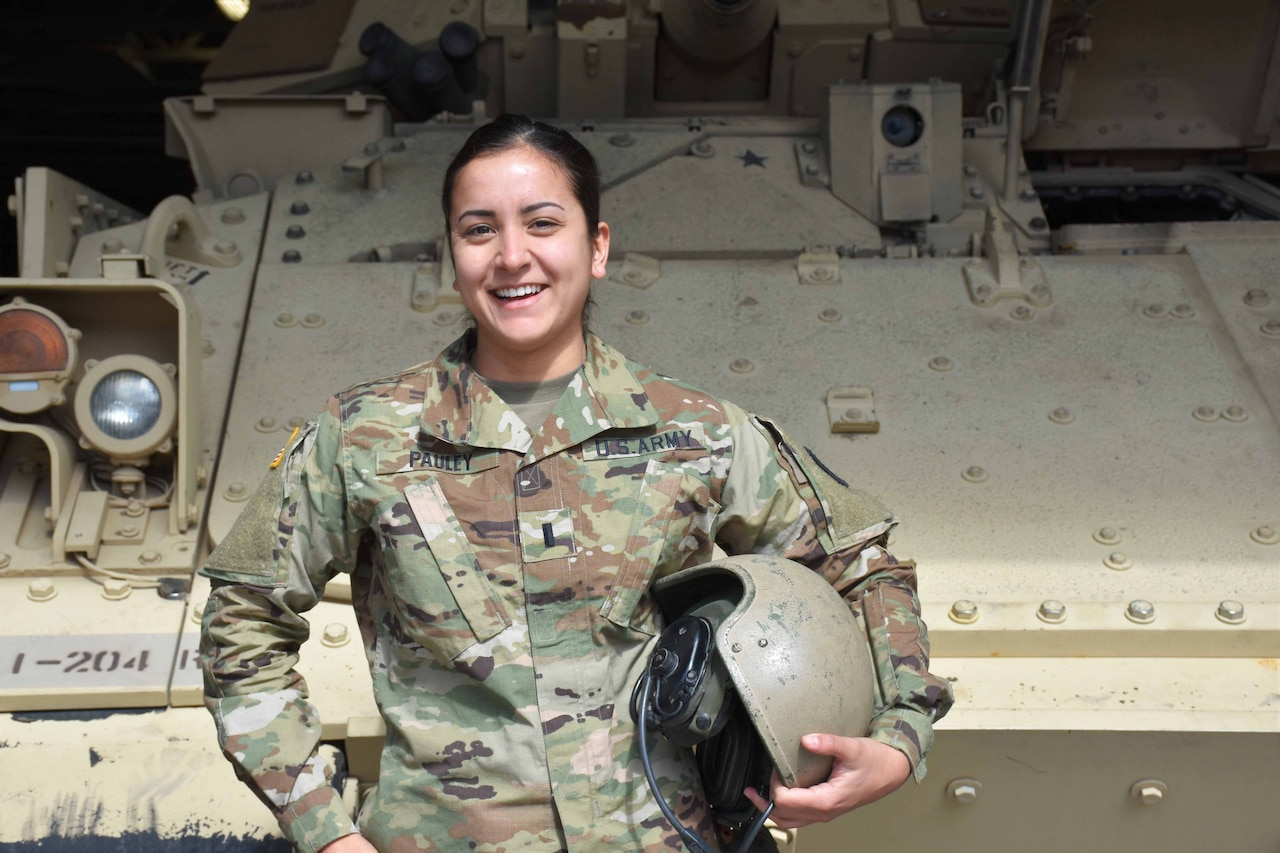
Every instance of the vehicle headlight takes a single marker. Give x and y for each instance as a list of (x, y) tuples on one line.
[(126, 406)]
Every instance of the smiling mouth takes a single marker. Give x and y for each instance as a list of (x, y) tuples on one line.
[(509, 293)]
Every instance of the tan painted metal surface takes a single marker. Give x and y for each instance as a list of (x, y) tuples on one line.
[(1079, 425)]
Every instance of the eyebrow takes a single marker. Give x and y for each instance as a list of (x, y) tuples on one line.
[(529, 208)]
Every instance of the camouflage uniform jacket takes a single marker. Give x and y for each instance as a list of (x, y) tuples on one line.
[(501, 582)]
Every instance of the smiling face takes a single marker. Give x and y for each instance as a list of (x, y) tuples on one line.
[(524, 258)]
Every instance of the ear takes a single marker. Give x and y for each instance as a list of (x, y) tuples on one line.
[(600, 251), (455, 284)]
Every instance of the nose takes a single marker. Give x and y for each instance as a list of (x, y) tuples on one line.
[(514, 253)]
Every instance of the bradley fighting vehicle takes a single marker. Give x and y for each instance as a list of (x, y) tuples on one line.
[(1011, 266)]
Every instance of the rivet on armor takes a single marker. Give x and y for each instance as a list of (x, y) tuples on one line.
[(1265, 535), (742, 365), (149, 557), (1206, 414), (295, 232), (41, 589), (964, 611), (1257, 298), (312, 321), (304, 177), (830, 315), (1107, 536), (1052, 611), (237, 491), (940, 363), (736, 647), (445, 318), (1118, 561), (232, 216), (637, 318), (1021, 312), (114, 589), (1231, 612), (1271, 327), (1182, 311), (299, 208), (622, 140), (975, 474), (292, 256), (1061, 415), (1155, 311), (1235, 414), (286, 320), (267, 424), (1141, 611), (4, 560)]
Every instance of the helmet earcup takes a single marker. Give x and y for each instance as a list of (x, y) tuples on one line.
[(729, 762)]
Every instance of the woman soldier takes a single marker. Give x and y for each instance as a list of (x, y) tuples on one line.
[(502, 511)]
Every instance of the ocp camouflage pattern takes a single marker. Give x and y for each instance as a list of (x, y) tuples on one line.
[(500, 577)]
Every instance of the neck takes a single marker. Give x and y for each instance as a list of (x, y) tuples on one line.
[(495, 362)]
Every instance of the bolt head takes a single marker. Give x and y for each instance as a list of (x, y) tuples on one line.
[(1140, 610), (299, 208), (115, 590), (1231, 612), (335, 634), (964, 611), (964, 790), (1052, 610), (1148, 792), (41, 589)]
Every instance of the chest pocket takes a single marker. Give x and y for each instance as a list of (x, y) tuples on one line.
[(447, 603), (663, 516)]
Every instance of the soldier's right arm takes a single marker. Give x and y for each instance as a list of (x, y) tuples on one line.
[(295, 534)]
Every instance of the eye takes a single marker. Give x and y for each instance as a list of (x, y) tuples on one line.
[(543, 224), (478, 230)]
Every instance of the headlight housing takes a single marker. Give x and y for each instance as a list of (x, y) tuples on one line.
[(126, 407)]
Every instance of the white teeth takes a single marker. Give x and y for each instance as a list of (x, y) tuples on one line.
[(523, 290)]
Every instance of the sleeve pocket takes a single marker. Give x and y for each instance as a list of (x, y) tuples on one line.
[(876, 614)]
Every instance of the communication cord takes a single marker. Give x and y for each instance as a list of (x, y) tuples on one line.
[(694, 842)]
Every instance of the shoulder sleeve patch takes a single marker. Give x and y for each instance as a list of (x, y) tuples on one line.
[(853, 516)]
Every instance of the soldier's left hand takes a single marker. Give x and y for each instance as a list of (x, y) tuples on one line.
[(864, 771)]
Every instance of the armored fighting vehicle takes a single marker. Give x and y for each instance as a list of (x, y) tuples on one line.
[(1010, 266)]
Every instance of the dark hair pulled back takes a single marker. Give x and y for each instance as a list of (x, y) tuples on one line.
[(512, 131)]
